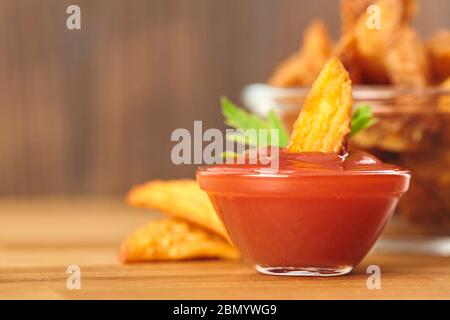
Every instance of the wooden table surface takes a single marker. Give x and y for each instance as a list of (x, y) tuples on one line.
[(39, 239)]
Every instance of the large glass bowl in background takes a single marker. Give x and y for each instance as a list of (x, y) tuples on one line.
[(413, 131)]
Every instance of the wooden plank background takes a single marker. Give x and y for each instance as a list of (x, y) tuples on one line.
[(91, 111)]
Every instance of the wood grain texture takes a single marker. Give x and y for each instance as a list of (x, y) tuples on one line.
[(39, 239), (91, 111)]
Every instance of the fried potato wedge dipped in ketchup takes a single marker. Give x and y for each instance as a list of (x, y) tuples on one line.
[(325, 118), (172, 239)]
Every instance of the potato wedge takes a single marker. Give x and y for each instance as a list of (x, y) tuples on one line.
[(303, 67), (174, 240), (351, 10), (411, 10), (439, 50), (346, 52), (182, 199), (325, 118), (446, 83), (373, 44), (288, 73), (444, 101), (407, 61)]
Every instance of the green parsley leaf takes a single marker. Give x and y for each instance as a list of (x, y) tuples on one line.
[(275, 123), (238, 118), (230, 154), (362, 119)]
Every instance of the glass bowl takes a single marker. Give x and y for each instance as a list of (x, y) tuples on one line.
[(413, 131), (314, 215)]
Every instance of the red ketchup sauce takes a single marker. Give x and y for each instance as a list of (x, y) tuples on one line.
[(315, 211)]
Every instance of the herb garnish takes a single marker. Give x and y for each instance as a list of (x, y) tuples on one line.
[(239, 118)]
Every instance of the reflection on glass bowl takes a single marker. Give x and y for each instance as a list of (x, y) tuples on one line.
[(413, 131)]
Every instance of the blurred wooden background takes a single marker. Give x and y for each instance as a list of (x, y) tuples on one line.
[(91, 111)]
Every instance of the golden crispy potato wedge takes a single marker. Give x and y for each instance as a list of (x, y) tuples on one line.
[(174, 240), (446, 83), (411, 10), (407, 59), (325, 118), (439, 50), (182, 199), (346, 52), (444, 101), (302, 68), (288, 73), (352, 10), (372, 44)]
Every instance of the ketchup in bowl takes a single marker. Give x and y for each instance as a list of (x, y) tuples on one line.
[(315, 215)]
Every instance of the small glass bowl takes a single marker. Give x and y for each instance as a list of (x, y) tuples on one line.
[(413, 131), (306, 218)]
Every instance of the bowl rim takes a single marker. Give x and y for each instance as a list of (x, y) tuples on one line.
[(260, 98), (359, 90), (288, 186)]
